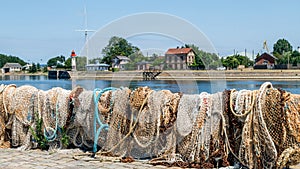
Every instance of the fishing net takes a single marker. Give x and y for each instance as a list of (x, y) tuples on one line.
[(81, 132), (263, 127), (55, 116), (119, 124), (24, 106), (254, 129), (6, 92), (188, 109), (204, 146), (290, 142), (141, 121), (154, 133)]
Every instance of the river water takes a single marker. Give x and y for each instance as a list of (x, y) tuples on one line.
[(185, 86)]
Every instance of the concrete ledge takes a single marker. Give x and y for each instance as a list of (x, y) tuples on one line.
[(195, 75)]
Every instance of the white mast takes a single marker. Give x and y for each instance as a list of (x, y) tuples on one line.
[(85, 30)]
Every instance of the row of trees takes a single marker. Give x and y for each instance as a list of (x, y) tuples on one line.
[(203, 60), (10, 59), (282, 49), (118, 46), (284, 53)]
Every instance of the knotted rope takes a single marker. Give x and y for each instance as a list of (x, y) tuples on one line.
[(97, 120)]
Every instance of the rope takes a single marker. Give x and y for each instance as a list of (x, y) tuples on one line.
[(263, 91), (231, 104), (152, 140), (78, 132), (131, 127), (250, 114), (96, 115), (3, 87), (54, 131), (227, 140), (31, 114)]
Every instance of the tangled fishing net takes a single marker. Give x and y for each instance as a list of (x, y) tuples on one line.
[(250, 128), (6, 92), (55, 113)]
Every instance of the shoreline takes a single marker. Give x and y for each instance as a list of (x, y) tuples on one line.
[(228, 75)]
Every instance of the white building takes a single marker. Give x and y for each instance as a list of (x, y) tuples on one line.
[(11, 67), (97, 67), (120, 62)]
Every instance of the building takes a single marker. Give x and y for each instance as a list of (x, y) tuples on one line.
[(120, 62), (27, 66), (143, 65), (266, 61), (179, 58), (97, 67), (11, 67)]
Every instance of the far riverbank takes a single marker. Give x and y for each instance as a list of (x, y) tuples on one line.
[(245, 74)]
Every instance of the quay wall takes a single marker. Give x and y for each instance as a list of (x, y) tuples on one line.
[(194, 75)]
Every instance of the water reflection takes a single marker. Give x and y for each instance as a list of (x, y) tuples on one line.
[(184, 86), (23, 77)]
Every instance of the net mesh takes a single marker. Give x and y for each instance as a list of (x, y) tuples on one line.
[(6, 92), (24, 106), (55, 115), (256, 129)]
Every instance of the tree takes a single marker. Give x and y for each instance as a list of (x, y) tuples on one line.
[(81, 63), (233, 61), (295, 57), (68, 63), (281, 46), (38, 67), (32, 69), (117, 46), (135, 58), (158, 61), (57, 61), (12, 59), (45, 69), (198, 64), (244, 60), (95, 60)]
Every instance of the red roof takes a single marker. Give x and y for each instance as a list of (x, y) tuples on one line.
[(73, 54), (178, 51)]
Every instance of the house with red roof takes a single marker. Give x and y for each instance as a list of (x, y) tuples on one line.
[(179, 58), (265, 61)]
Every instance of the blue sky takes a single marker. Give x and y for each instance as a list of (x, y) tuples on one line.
[(38, 30)]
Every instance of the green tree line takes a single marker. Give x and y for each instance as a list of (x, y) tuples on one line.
[(232, 62), (10, 59), (284, 52)]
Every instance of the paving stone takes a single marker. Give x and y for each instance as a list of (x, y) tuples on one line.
[(36, 159)]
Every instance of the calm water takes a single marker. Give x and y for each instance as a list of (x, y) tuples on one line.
[(185, 86)]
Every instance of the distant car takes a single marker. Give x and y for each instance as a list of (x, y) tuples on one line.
[(221, 68)]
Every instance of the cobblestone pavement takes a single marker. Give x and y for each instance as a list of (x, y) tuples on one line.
[(37, 159)]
